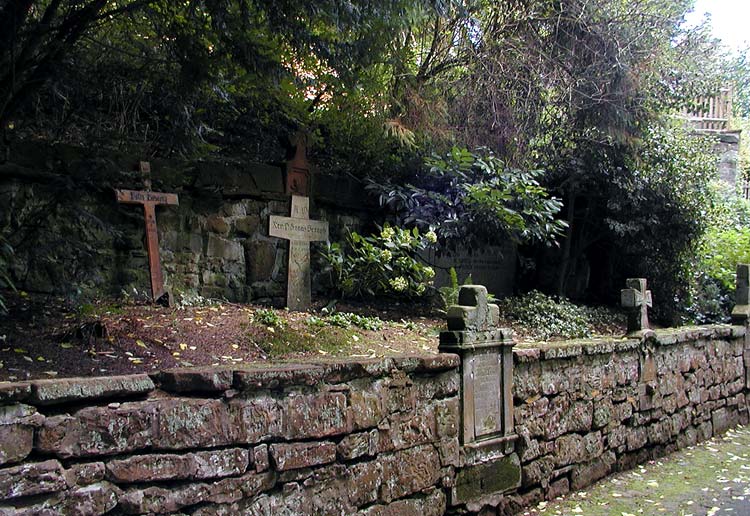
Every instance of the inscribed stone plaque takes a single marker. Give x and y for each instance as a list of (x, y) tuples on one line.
[(486, 369), (297, 229), (493, 267)]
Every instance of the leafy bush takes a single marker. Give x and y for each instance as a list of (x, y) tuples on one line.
[(546, 316), (347, 320), (268, 317), (473, 197), (382, 264)]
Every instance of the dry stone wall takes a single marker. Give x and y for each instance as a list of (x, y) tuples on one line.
[(586, 409), (373, 437)]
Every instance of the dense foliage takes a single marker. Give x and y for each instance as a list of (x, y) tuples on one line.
[(582, 90), (384, 264)]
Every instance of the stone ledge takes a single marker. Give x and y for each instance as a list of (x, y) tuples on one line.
[(62, 390)]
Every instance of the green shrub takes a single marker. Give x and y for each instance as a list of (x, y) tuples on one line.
[(385, 264), (268, 317), (347, 320), (546, 316)]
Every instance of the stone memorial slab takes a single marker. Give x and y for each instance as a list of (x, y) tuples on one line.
[(493, 266), (486, 353), (150, 200), (300, 231)]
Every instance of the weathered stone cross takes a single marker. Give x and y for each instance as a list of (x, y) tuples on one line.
[(149, 200), (473, 312), (637, 299), (300, 231), (741, 310)]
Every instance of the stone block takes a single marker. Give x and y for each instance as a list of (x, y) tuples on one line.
[(247, 226), (302, 455), (584, 475), (99, 430), (16, 442), (192, 423), (224, 249), (260, 260), (256, 419), (315, 415), (261, 460), (364, 482), (498, 476), (62, 390), (354, 446), (433, 504), (217, 224), (195, 379), (85, 474), (14, 391), (558, 488), (447, 414), (31, 479), (409, 471), (366, 409), (198, 465)]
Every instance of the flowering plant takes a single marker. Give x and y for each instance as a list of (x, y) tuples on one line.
[(386, 263)]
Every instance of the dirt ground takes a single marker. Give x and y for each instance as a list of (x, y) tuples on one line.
[(46, 337)]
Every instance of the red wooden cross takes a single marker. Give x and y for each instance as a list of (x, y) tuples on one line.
[(149, 200)]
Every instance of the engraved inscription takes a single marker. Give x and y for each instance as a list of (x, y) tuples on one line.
[(298, 229), (487, 393)]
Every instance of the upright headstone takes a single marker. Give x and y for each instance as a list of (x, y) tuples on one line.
[(149, 200), (636, 299), (741, 310), (300, 231), (486, 353)]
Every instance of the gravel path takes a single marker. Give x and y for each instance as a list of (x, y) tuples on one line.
[(710, 479)]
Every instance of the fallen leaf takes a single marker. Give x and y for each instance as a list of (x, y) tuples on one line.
[(141, 343)]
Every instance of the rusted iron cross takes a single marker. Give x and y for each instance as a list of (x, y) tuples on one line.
[(149, 200), (637, 299)]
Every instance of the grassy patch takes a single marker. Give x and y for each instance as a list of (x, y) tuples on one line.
[(328, 340)]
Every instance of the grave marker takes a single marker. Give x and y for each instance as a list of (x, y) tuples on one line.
[(300, 231), (486, 368), (637, 300), (149, 200), (741, 310), (298, 170)]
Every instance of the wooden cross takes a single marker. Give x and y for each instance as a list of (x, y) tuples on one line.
[(149, 200), (637, 299), (741, 310), (300, 231)]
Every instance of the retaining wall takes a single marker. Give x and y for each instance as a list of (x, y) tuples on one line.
[(361, 437)]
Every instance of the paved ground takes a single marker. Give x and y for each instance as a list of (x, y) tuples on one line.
[(706, 480)]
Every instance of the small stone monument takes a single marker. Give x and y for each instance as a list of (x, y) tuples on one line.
[(741, 311), (486, 353), (149, 200), (636, 299), (300, 231)]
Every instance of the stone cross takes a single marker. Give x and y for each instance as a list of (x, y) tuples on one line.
[(149, 200), (741, 310), (473, 312), (300, 231), (637, 299)]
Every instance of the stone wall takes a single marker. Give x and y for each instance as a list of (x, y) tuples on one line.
[(58, 210), (377, 437), (586, 409)]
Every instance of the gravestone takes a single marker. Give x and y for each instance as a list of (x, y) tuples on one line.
[(741, 310), (298, 169), (636, 299), (491, 266), (300, 231), (149, 200), (486, 353)]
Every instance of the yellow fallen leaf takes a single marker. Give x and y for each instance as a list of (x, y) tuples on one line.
[(20, 350), (235, 346), (140, 343), (40, 359), (183, 346), (66, 345), (51, 373), (193, 348), (176, 354)]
